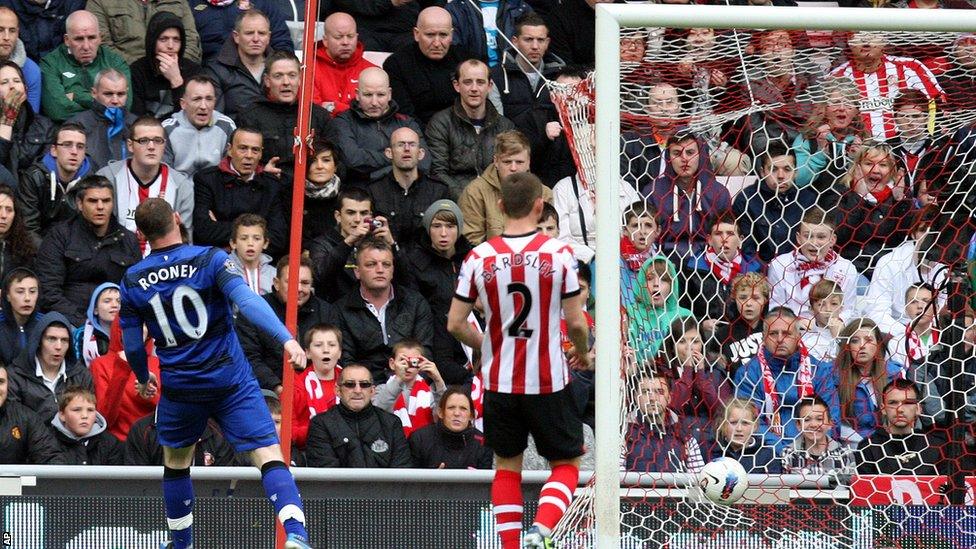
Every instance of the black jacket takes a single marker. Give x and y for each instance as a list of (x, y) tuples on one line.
[(407, 316), (236, 88), (276, 122), (13, 338), (709, 299), (404, 209), (73, 261), (380, 23), (318, 214), (572, 32), (151, 91), (100, 447), (422, 86), (769, 220), (333, 263), (434, 445), (435, 277), (99, 147), (32, 137), (26, 439), (369, 438), (864, 228), (142, 446), (886, 454), (28, 388), (39, 209), (735, 341), (263, 351), (219, 190)]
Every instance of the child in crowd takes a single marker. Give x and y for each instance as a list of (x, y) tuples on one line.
[(549, 221), (815, 451), (248, 241), (656, 440), (656, 306), (315, 388), (736, 438), (792, 275), (911, 347), (820, 331), (91, 340), (638, 243), (82, 432), (18, 311), (414, 389), (115, 384), (741, 333)]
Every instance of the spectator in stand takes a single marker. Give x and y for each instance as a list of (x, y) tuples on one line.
[(483, 218), (322, 185), (142, 446), (657, 440), (687, 185), (115, 393), (793, 375), (899, 449), (273, 402), (125, 25), (107, 121), (876, 210), (572, 27), (736, 437), (42, 24), (911, 347), (159, 76), (276, 114), (262, 350), (18, 307), (769, 211), (403, 195), (338, 62), (316, 389), (862, 370), (869, 63), (549, 221), (197, 135), (69, 71), (363, 132), (144, 175), (637, 245), (793, 274), (831, 136), (248, 241), (421, 73), (698, 386), (655, 307), (216, 21), (462, 137), (35, 445), (918, 152), (385, 26), (355, 433), (452, 442), (642, 158), (91, 340), (815, 452), (711, 272), (44, 187), (24, 133), (477, 27), (12, 50), (822, 328), (740, 335), (85, 251), (574, 203), (960, 78), (238, 185), (40, 374), (238, 68), (82, 433), (431, 266), (377, 316), (414, 390), (17, 247)]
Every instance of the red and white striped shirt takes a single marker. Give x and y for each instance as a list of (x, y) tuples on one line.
[(878, 90), (521, 281)]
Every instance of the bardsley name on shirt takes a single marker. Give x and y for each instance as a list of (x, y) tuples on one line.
[(506, 262), (166, 274)]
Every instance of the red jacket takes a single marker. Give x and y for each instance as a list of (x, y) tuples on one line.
[(336, 83), (309, 397), (115, 390)]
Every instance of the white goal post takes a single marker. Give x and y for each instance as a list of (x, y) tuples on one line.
[(610, 18)]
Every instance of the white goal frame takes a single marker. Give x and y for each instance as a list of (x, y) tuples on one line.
[(610, 18)]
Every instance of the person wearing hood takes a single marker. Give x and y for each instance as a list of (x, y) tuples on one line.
[(338, 62), (24, 134), (44, 194), (91, 340), (107, 122), (276, 114), (115, 394), (12, 49), (686, 195), (160, 76), (237, 69), (30, 440), (42, 23), (657, 440), (126, 25), (452, 442), (82, 433), (216, 19), (736, 438), (654, 308), (46, 367), (18, 312)]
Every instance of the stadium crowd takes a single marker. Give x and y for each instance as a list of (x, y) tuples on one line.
[(792, 324)]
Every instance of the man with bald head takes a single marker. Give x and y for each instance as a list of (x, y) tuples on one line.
[(363, 132), (68, 72), (420, 73), (338, 62), (404, 194), (384, 24)]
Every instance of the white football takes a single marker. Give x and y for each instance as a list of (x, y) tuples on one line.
[(723, 480)]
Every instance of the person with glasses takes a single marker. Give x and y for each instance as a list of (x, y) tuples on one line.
[(144, 175), (108, 119), (899, 449), (354, 433), (42, 193)]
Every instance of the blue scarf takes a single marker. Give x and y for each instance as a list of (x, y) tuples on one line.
[(116, 118)]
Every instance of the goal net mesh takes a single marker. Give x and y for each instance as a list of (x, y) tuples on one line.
[(825, 177)]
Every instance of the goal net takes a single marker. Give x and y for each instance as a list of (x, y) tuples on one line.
[(795, 259)]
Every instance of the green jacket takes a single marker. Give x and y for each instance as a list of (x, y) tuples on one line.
[(123, 25), (647, 326), (62, 75)]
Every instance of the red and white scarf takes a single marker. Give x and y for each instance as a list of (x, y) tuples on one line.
[(916, 353), (722, 269), (804, 380), (633, 257), (89, 344), (805, 266), (321, 392), (419, 411), (478, 397)]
